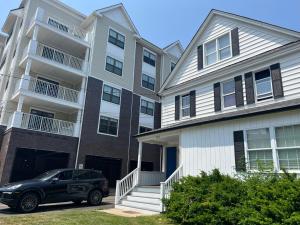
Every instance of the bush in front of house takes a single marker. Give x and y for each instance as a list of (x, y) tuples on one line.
[(220, 199)]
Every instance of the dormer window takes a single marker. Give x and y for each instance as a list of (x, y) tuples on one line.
[(217, 50)]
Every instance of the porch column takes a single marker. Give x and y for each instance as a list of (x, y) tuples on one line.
[(139, 162), (17, 116), (164, 158)]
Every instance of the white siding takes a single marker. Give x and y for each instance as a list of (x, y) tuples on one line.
[(290, 70), (253, 40), (205, 148)]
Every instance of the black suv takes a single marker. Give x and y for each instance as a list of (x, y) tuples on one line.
[(60, 185)]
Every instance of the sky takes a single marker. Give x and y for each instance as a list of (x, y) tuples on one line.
[(165, 21)]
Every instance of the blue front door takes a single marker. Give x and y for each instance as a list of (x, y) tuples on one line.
[(171, 160)]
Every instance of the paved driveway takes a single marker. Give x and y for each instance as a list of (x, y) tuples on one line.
[(67, 206)]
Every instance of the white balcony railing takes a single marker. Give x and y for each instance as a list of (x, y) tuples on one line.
[(60, 57), (52, 90), (44, 124)]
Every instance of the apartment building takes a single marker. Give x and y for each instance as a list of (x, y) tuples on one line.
[(74, 90), (232, 103)]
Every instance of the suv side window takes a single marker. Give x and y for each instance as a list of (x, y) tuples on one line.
[(65, 175), (81, 175), (95, 175)]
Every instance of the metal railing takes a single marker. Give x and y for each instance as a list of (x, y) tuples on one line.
[(72, 30), (58, 56), (125, 185), (166, 187), (53, 90), (46, 124)]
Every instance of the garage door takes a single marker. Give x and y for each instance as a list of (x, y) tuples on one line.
[(29, 163), (111, 168)]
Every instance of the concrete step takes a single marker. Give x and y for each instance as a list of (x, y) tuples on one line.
[(154, 201), (140, 205), (145, 194), (142, 211), (148, 189)]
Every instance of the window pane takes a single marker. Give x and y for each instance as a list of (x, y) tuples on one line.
[(264, 86), (210, 47), (224, 41), (261, 159), (210, 59), (185, 112), (229, 100), (228, 87), (186, 101), (259, 138), (289, 159), (224, 53), (288, 136)]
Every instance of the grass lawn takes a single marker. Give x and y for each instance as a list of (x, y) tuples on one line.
[(80, 217)]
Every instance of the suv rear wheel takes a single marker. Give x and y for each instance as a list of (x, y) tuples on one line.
[(28, 203), (95, 198)]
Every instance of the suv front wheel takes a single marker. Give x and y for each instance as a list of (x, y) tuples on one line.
[(28, 203), (95, 198)]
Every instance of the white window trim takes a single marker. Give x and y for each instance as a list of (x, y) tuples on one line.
[(181, 109), (255, 88), (151, 77), (120, 89), (222, 96), (109, 116), (205, 65), (117, 31), (151, 53), (148, 100), (274, 148)]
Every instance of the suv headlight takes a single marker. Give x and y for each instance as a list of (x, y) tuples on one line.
[(14, 187)]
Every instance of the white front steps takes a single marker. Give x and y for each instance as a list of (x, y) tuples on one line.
[(142, 198)]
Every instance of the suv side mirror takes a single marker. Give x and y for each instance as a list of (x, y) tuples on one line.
[(54, 180)]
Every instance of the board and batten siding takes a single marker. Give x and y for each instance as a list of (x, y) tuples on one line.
[(253, 41), (290, 71), (211, 146)]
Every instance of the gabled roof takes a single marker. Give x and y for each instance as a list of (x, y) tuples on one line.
[(175, 44), (207, 20), (11, 18), (123, 10)]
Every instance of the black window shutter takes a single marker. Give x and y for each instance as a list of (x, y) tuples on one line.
[(235, 42), (276, 80), (217, 96), (249, 88), (157, 115), (192, 103), (239, 96), (200, 57), (177, 107), (239, 150)]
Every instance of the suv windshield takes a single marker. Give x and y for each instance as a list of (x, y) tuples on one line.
[(46, 175)]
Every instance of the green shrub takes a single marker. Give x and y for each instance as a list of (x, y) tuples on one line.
[(221, 199)]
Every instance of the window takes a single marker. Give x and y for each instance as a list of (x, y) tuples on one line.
[(116, 38), (217, 50), (58, 25), (81, 175), (114, 66), (148, 82), (144, 129), (65, 175), (172, 66), (108, 125), (149, 58), (185, 105), (147, 107), (288, 147), (228, 91), (259, 149), (263, 85), (96, 175), (111, 94)]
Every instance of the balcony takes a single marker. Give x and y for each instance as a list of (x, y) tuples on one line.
[(58, 32), (41, 89), (49, 60), (42, 124)]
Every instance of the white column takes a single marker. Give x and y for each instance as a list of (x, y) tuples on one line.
[(25, 79), (39, 14), (86, 61), (164, 159), (17, 116), (20, 103), (82, 91), (139, 162)]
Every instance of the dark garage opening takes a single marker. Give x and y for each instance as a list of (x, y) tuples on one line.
[(145, 166), (29, 163), (111, 168)]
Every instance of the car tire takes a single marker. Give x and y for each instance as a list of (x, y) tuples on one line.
[(95, 198), (28, 203), (77, 202)]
